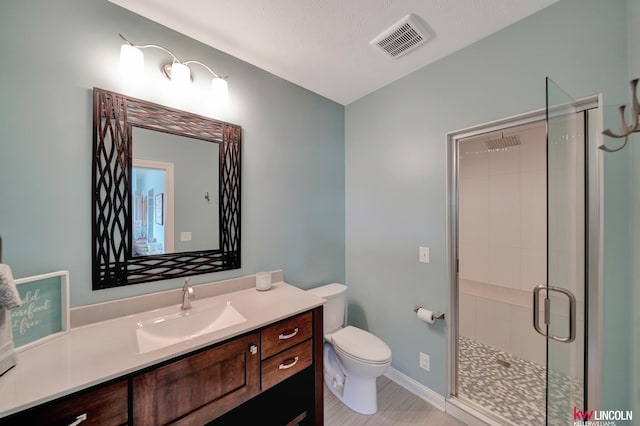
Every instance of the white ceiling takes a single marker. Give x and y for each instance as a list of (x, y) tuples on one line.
[(323, 45)]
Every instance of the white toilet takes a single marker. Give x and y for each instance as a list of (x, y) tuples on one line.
[(353, 358)]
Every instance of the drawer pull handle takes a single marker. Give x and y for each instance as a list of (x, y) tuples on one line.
[(292, 362), (288, 336), (81, 418)]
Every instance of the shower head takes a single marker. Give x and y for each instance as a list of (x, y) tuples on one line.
[(503, 142)]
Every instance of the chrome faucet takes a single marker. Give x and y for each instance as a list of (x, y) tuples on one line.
[(187, 295)]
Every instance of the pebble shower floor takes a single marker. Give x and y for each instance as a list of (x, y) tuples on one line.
[(516, 392)]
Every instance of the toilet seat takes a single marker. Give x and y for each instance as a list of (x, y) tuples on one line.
[(361, 345)]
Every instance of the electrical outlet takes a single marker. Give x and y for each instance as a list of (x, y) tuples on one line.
[(423, 253), (425, 361)]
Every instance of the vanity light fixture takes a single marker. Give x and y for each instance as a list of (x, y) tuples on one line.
[(132, 65)]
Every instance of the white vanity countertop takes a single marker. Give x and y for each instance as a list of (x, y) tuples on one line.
[(95, 353)]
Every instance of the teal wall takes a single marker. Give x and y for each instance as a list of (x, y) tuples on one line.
[(633, 23), (57, 51), (396, 173)]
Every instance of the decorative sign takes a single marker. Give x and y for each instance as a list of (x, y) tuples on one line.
[(44, 312)]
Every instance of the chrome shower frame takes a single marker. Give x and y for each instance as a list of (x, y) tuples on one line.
[(470, 413)]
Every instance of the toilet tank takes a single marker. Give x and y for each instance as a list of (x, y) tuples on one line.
[(334, 309)]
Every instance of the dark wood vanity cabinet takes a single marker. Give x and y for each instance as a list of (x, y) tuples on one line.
[(290, 373), (272, 376), (198, 388)]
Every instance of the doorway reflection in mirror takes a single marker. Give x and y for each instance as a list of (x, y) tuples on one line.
[(152, 223)]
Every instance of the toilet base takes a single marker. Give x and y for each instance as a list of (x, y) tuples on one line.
[(359, 394)]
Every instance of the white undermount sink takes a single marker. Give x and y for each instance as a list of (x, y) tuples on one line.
[(170, 329)]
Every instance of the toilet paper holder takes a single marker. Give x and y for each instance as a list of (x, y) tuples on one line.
[(436, 315)]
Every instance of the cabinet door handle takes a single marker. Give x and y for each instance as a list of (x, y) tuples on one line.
[(81, 418), (292, 362), (288, 336), (253, 349)]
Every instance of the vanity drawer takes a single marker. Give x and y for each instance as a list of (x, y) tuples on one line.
[(104, 406), (285, 334), (286, 364)]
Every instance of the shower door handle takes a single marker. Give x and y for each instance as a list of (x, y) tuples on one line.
[(547, 312), (536, 309)]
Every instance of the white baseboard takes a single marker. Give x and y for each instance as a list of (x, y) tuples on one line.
[(416, 388)]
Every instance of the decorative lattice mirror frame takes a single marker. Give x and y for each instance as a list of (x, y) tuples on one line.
[(114, 115)]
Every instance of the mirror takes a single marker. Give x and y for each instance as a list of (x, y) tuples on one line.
[(166, 192), (174, 187)]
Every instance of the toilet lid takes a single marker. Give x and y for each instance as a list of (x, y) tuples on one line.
[(361, 345)]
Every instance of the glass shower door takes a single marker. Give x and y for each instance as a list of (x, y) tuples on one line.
[(559, 305)]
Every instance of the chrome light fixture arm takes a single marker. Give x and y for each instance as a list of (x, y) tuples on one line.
[(205, 66), (166, 69), (156, 46), (177, 71)]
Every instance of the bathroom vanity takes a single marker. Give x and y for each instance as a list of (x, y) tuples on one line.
[(266, 369)]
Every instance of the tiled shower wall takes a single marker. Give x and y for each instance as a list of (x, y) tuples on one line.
[(501, 318), (502, 205), (502, 240)]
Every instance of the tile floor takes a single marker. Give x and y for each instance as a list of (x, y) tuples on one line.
[(396, 406)]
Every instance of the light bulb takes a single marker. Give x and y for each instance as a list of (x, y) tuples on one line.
[(220, 90), (131, 62), (180, 75)]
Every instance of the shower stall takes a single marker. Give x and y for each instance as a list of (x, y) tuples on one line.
[(520, 255), (502, 257)]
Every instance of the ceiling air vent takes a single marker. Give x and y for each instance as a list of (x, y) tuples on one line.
[(402, 37)]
